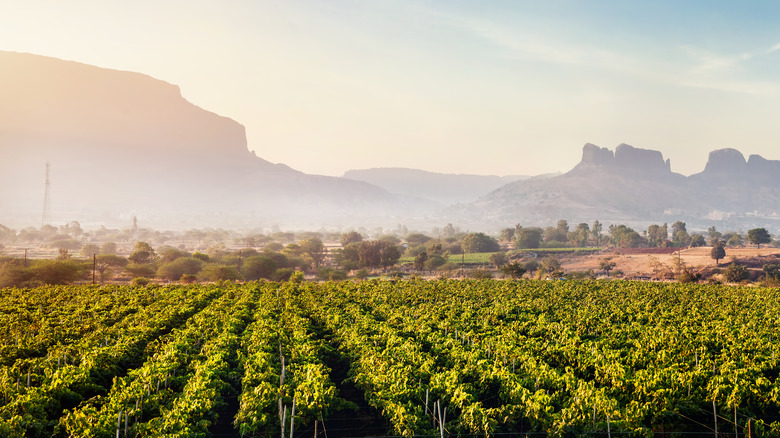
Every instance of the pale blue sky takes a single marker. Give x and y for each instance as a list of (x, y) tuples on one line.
[(487, 87)]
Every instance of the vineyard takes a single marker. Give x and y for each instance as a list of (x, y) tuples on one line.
[(407, 358)]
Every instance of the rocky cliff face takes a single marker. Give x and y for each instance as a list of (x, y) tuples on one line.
[(634, 159), (725, 162), (593, 155), (123, 144), (635, 184), (625, 159)]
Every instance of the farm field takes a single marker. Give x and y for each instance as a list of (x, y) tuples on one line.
[(378, 358), (644, 262)]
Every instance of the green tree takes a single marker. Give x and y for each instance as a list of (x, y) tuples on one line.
[(315, 250), (733, 239), (579, 237), (260, 266), (348, 257), (514, 270), (771, 272), (718, 252), (7, 235), (682, 238), (559, 234), (507, 234), (89, 250), (219, 272), (273, 247), (757, 236), (59, 271), (595, 231), (293, 250), (378, 253), (179, 267), (13, 273), (200, 256), (389, 254), (108, 248), (531, 266), (479, 242), (606, 264), (552, 267), (417, 239), (434, 262), (714, 235), (498, 259), (330, 274), (657, 235), (624, 236), (142, 253), (419, 261), (697, 240), (528, 238), (106, 263), (350, 237), (735, 273), (167, 254), (65, 243), (136, 270)]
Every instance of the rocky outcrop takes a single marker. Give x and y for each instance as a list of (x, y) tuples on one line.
[(597, 156), (626, 159), (644, 160), (763, 171), (725, 161), (636, 184)]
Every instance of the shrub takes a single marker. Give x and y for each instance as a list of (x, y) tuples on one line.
[(296, 277), (282, 274), (480, 274), (736, 273), (58, 271), (141, 281), (330, 274), (433, 262), (216, 272), (514, 270), (688, 277)]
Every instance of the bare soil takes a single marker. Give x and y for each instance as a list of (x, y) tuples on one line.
[(651, 262)]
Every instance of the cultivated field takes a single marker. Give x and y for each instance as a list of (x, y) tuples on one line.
[(378, 358), (645, 263)]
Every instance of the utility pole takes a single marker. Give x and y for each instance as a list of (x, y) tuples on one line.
[(46, 199), (94, 265)]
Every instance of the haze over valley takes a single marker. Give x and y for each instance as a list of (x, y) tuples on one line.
[(123, 144)]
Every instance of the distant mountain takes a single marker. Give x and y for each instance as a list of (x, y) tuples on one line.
[(440, 188), (637, 185), (731, 184), (123, 144)]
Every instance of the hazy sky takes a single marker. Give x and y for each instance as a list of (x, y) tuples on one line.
[(488, 87)]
